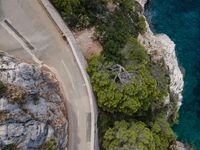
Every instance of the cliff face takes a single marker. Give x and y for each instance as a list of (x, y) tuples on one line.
[(160, 46), (31, 106), (142, 2)]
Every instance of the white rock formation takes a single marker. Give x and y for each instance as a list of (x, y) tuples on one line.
[(40, 116), (161, 46), (142, 2), (165, 48), (178, 146)]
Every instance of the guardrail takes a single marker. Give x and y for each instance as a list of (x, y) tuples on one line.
[(82, 64)]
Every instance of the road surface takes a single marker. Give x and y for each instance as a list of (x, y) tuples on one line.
[(24, 23)]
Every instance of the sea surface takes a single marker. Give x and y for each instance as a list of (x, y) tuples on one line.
[(180, 20)]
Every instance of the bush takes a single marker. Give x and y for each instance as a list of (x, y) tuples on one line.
[(66, 9), (50, 145), (79, 13), (138, 94), (2, 88), (134, 53), (128, 136), (105, 121), (161, 75), (10, 147), (142, 25), (163, 134), (137, 135), (114, 32), (15, 94)]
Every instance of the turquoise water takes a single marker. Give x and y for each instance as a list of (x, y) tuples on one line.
[(180, 19)]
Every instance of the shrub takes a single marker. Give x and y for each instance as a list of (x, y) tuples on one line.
[(66, 9), (15, 94), (128, 136), (142, 25), (163, 134), (138, 94), (2, 88), (50, 145), (79, 13), (10, 147)]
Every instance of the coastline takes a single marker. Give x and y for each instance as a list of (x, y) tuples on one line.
[(165, 48)]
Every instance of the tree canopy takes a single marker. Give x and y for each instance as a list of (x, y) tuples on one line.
[(129, 90), (136, 135), (128, 136)]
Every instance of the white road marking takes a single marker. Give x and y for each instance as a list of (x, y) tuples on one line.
[(21, 42), (70, 77)]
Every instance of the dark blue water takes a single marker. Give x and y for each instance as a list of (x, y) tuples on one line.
[(180, 19)]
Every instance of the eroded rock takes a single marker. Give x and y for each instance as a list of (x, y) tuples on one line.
[(32, 109), (160, 46)]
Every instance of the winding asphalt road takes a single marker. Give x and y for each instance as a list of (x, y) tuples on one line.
[(24, 23)]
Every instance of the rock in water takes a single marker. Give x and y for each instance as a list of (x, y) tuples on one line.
[(32, 109)]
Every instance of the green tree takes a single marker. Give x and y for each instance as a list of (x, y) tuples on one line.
[(134, 53), (66, 9), (162, 133), (128, 136), (80, 13), (138, 94)]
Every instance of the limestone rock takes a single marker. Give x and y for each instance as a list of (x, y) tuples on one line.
[(160, 46), (178, 146), (142, 2), (165, 49), (32, 110)]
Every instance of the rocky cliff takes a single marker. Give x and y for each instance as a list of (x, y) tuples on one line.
[(142, 2), (32, 109), (160, 46)]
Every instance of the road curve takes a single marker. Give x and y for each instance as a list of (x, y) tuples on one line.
[(32, 22)]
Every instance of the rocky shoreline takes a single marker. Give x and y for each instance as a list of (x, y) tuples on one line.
[(160, 46), (164, 47)]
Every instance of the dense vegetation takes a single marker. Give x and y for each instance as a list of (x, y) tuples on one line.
[(50, 145), (130, 87), (137, 136)]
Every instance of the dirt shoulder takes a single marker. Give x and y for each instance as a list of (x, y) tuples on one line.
[(87, 42)]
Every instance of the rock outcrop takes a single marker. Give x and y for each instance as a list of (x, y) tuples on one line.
[(178, 146), (32, 109), (160, 46), (142, 2)]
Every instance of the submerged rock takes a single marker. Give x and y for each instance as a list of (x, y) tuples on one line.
[(32, 109)]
